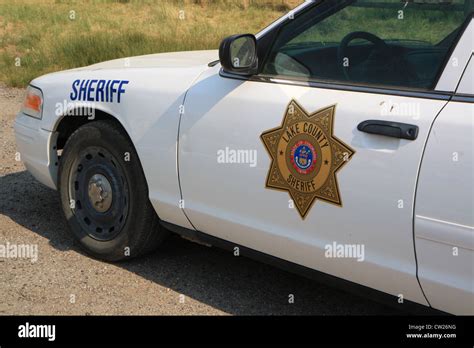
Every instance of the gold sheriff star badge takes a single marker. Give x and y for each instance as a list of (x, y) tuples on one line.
[(306, 156)]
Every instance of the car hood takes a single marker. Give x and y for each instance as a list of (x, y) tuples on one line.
[(165, 60)]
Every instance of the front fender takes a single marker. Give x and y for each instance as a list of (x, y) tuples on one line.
[(149, 111)]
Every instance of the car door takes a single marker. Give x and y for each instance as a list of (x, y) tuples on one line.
[(357, 223), (444, 220)]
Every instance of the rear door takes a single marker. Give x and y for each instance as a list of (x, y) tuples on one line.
[(444, 220), (287, 162)]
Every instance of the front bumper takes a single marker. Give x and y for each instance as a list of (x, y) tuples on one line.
[(37, 149)]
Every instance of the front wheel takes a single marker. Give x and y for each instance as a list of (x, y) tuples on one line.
[(104, 194)]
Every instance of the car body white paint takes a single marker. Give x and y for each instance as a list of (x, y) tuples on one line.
[(457, 62), (177, 149), (444, 220), (149, 112), (237, 112)]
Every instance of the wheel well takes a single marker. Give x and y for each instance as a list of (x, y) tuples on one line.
[(70, 123)]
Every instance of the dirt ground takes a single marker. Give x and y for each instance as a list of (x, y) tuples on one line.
[(181, 278)]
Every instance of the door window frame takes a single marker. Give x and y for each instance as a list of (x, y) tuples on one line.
[(269, 35)]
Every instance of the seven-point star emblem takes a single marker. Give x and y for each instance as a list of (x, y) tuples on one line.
[(306, 156)]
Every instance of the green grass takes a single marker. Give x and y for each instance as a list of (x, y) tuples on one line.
[(44, 37), (430, 26)]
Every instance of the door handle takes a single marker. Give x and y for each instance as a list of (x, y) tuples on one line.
[(389, 129)]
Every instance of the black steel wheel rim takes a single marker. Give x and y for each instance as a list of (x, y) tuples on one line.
[(99, 193)]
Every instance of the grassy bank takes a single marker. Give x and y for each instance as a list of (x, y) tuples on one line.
[(41, 36)]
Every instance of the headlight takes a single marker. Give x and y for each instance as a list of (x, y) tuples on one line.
[(33, 104)]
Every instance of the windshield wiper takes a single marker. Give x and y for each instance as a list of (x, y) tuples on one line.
[(213, 63)]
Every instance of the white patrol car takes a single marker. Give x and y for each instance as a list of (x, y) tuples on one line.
[(339, 140)]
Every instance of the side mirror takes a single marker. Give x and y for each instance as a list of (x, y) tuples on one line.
[(238, 54)]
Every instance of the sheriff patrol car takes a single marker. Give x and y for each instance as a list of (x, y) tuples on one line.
[(359, 118)]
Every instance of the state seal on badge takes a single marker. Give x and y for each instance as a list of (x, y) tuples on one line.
[(306, 157)]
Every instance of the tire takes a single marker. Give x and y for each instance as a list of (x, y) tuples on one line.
[(104, 194)]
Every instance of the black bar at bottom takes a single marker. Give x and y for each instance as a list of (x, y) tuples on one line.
[(133, 330)]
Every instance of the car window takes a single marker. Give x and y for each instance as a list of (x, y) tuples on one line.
[(384, 42)]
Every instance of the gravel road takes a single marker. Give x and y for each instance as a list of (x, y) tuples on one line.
[(181, 278)]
